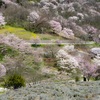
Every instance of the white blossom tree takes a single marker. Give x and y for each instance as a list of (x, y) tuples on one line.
[(33, 17), (64, 32), (81, 60), (2, 20)]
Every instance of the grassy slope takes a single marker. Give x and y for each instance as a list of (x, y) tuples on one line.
[(27, 35), (20, 32)]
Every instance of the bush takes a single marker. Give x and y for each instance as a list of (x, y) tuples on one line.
[(7, 51), (15, 81), (77, 79), (36, 45), (97, 78), (1, 2)]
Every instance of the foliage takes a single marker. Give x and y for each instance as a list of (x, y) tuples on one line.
[(1, 2), (56, 26), (97, 0), (16, 15), (77, 79), (20, 32), (62, 31), (36, 45), (38, 21), (59, 90), (15, 80), (6, 50), (23, 1), (93, 21), (35, 0), (82, 61)]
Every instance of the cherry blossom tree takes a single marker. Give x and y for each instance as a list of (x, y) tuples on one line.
[(81, 60), (33, 17), (56, 26), (2, 20), (64, 32)]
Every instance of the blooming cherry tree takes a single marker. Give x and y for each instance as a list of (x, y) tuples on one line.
[(2, 20), (68, 33), (56, 26), (64, 32), (33, 17), (15, 42), (80, 61), (65, 60)]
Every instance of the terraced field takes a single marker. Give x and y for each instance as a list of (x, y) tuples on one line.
[(56, 91)]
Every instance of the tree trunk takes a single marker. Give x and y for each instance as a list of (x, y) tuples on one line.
[(84, 78)]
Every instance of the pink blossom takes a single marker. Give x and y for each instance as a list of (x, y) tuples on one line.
[(56, 26), (2, 20), (91, 29), (68, 33)]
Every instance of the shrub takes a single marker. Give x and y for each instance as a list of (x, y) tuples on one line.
[(36, 45), (77, 79), (15, 81), (97, 78), (1, 2), (6, 50)]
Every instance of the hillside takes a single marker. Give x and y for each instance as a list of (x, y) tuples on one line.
[(70, 19), (56, 91), (49, 49)]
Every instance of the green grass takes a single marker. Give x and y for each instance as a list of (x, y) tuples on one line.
[(6, 50), (27, 35), (20, 32), (47, 36), (96, 45)]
